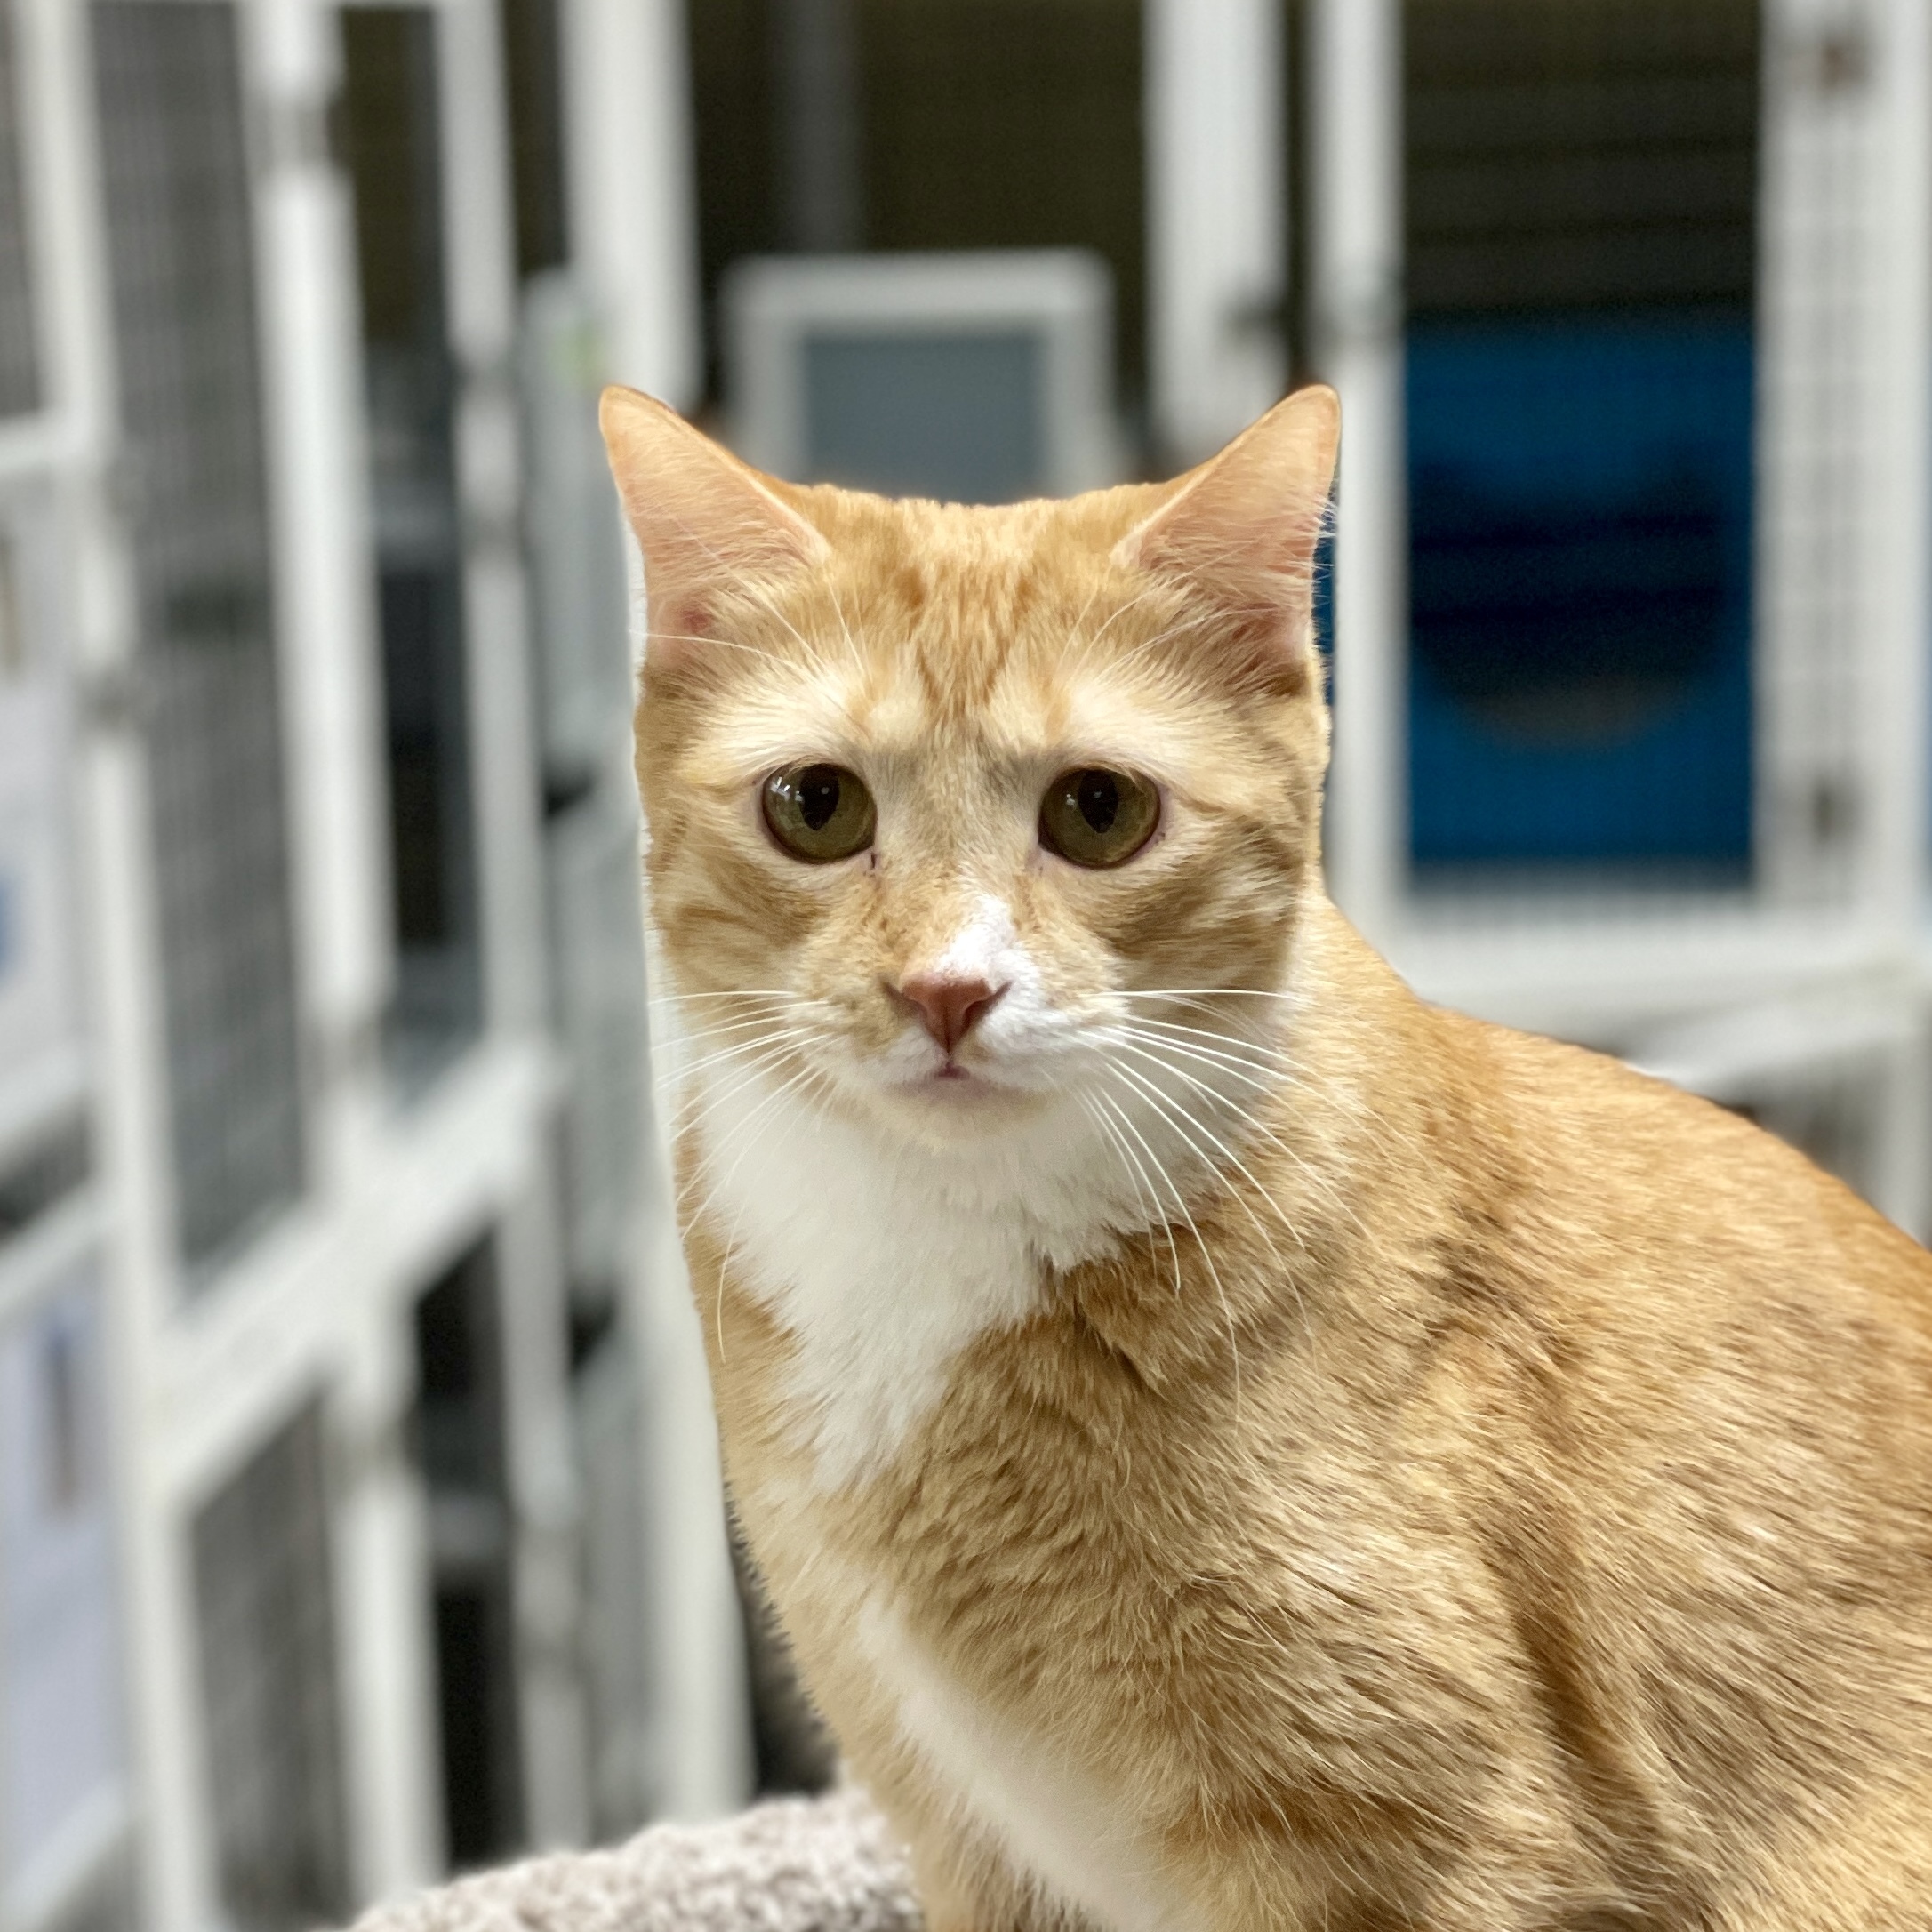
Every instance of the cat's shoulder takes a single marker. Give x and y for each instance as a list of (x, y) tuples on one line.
[(1643, 1164)]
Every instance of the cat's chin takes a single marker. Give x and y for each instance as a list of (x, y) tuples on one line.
[(953, 1104)]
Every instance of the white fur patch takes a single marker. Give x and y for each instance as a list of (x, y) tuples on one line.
[(883, 1260), (1078, 1843)]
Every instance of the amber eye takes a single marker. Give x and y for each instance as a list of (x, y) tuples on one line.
[(819, 813), (1098, 817)]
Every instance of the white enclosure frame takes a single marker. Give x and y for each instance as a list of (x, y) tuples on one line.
[(322, 1300), (632, 190), (1217, 232), (321, 1303), (633, 219)]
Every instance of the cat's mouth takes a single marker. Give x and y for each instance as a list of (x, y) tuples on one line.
[(956, 1079), (952, 1083)]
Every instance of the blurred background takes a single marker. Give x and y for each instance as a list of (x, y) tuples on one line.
[(359, 1507)]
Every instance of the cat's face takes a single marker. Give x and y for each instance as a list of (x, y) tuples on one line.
[(944, 801)]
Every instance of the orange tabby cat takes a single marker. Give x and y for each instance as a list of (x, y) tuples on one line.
[(1233, 1445)]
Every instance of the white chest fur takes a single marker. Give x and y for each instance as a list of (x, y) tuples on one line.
[(883, 1262), (1055, 1825)]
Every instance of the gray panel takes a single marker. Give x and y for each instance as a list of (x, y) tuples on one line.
[(63, 1744), (179, 245), (19, 358), (392, 145), (462, 1458), (597, 968), (622, 1707), (269, 1689), (952, 416)]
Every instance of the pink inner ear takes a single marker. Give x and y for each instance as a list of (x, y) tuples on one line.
[(704, 521), (1241, 532), (679, 623), (1253, 572)]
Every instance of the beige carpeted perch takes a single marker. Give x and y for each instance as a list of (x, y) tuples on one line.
[(796, 1865)]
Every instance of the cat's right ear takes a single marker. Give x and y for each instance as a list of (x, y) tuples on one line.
[(705, 521)]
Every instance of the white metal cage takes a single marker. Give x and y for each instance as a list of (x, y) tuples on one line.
[(1821, 376), (218, 1208)]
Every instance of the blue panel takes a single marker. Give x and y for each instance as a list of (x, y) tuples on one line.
[(1580, 507), (957, 417)]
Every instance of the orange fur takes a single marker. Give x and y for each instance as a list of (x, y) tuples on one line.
[(1483, 1489)]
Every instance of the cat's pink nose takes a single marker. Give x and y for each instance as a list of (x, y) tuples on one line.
[(948, 1008)]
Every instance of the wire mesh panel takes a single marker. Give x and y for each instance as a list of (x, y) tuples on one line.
[(19, 355), (976, 377), (268, 1688), (176, 188), (1580, 211), (38, 1009), (533, 82), (574, 543), (1009, 123)]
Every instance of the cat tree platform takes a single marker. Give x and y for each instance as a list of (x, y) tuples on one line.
[(794, 1864)]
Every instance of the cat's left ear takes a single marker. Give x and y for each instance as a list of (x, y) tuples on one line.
[(706, 522), (1241, 532)]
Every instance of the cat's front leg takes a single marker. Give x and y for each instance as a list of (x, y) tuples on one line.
[(949, 1906), (962, 1885), (985, 1900)]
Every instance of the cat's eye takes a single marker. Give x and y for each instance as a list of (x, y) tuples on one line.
[(1097, 817), (819, 813)]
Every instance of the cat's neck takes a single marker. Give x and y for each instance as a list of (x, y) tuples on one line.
[(884, 1259)]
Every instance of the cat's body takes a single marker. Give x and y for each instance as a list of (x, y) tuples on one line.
[(1370, 1468)]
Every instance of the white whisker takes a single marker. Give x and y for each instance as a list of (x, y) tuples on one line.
[(1095, 642), (765, 599), (683, 1040), (698, 1101), (1254, 1064), (1185, 1125), (1324, 1189), (748, 992), (1180, 1201), (852, 643), (1205, 992), (764, 1106), (766, 1046), (719, 643), (1157, 1218)]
